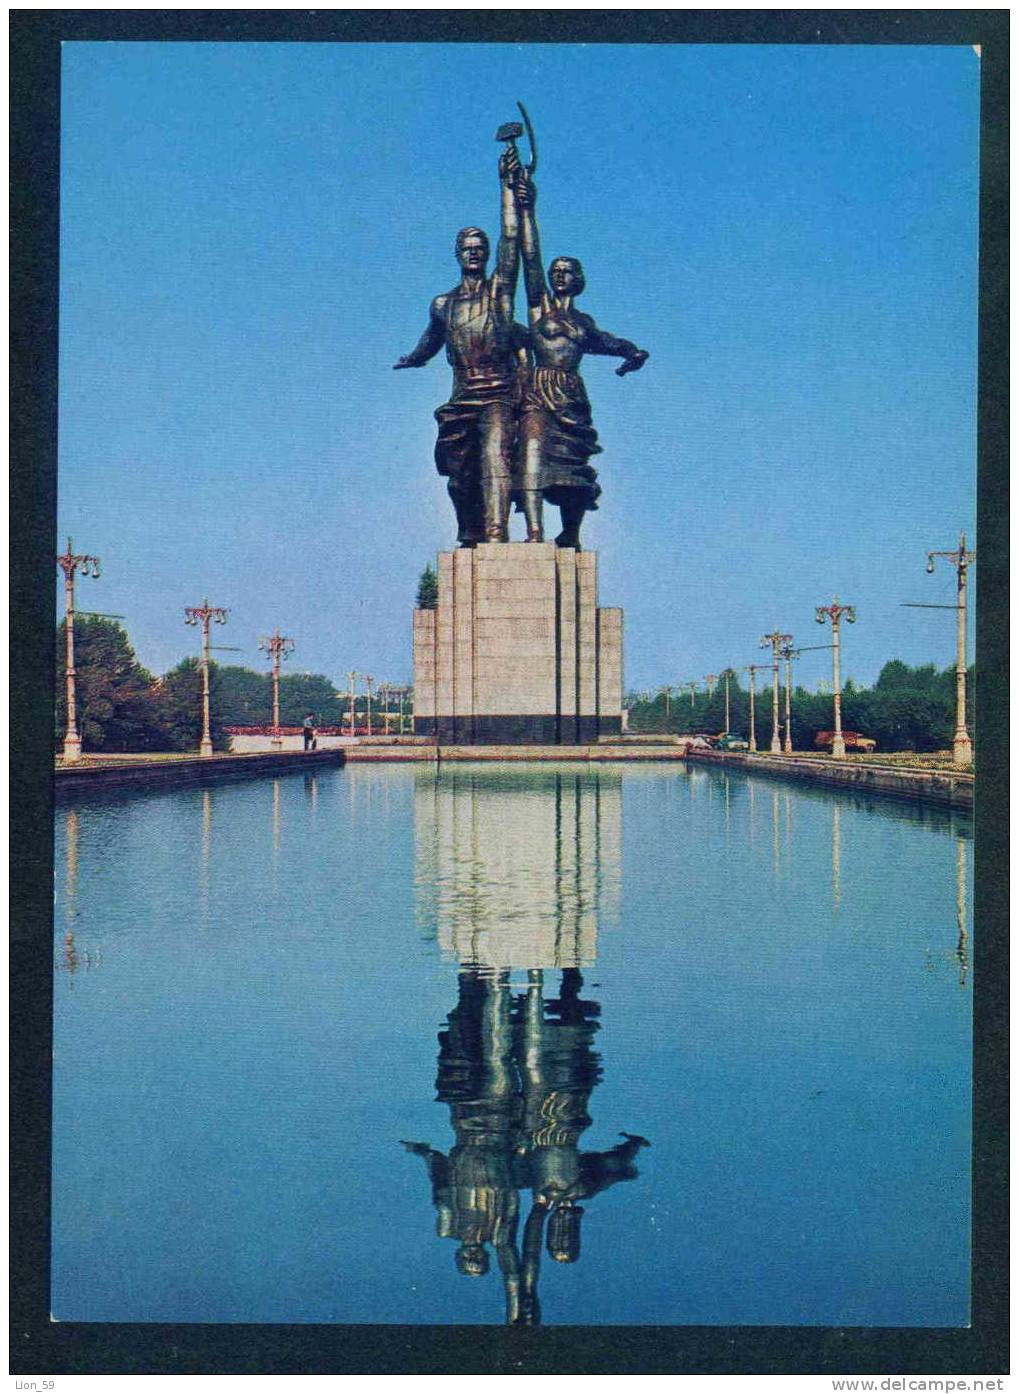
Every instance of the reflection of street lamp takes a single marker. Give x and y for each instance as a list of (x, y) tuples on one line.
[(202, 614), (775, 640), (69, 563), (278, 647), (835, 612), (962, 746), (752, 669)]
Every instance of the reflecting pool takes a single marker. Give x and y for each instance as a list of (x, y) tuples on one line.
[(476, 1043)]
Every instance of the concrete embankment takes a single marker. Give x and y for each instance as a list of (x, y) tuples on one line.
[(951, 788), (140, 773), (574, 753)]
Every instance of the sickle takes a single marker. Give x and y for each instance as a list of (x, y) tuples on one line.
[(530, 139)]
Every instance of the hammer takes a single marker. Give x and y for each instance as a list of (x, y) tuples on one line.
[(511, 131)]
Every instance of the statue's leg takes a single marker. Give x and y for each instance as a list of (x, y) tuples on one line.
[(572, 515), (497, 428), (466, 504), (530, 456)]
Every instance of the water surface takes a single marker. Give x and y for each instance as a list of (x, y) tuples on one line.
[(477, 1043)]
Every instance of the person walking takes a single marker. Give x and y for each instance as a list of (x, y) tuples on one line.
[(310, 734)]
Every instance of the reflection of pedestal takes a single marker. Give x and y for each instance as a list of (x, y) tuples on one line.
[(518, 868), (517, 651)]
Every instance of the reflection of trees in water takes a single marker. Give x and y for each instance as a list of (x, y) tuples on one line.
[(517, 1071)]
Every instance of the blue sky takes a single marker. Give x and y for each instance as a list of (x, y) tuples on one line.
[(251, 234)]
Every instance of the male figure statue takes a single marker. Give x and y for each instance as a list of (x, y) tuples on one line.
[(477, 425)]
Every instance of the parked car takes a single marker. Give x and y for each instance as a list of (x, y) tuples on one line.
[(731, 742), (824, 740)]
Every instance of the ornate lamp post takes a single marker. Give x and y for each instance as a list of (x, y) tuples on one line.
[(710, 679), (203, 614), (835, 612), (70, 562), (693, 688), (368, 687), (727, 673), (752, 669), (788, 653), (279, 647), (352, 678), (384, 695), (962, 746), (775, 641)]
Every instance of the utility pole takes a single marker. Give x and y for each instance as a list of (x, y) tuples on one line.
[(352, 678), (202, 614), (835, 612), (279, 647), (775, 641), (70, 562), (962, 746)]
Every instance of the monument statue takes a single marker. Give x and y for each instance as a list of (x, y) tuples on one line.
[(474, 320), (556, 438), (517, 427)]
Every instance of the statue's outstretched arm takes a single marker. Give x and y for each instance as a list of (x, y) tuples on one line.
[(431, 340), (530, 244), (507, 267), (598, 341)]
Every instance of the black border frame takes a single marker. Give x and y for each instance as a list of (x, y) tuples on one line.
[(41, 1347)]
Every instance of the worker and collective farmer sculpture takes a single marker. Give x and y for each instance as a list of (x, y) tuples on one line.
[(517, 428)]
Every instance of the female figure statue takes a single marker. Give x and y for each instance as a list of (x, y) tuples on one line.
[(555, 436)]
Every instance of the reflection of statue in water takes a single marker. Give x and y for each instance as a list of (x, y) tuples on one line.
[(517, 1074), (474, 321), (556, 437)]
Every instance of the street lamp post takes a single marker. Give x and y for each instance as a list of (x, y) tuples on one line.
[(368, 687), (752, 669), (668, 695), (962, 746), (693, 689), (279, 647), (384, 692), (202, 614), (710, 679), (352, 678), (70, 562), (835, 612), (788, 653), (727, 673), (775, 641)]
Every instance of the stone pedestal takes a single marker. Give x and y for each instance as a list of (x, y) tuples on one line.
[(517, 651)]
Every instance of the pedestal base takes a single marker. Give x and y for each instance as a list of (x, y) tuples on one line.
[(517, 651)]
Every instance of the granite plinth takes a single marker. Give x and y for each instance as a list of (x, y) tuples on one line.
[(517, 651)]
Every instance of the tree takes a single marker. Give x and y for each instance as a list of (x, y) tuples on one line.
[(117, 709), (301, 693), (428, 589), (245, 697), (180, 701)]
